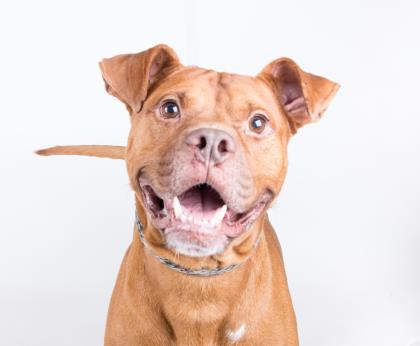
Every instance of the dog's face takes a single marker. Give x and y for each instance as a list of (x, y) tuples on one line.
[(196, 152), (207, 150)]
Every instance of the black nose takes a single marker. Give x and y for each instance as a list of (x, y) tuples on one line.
[(211, 145)]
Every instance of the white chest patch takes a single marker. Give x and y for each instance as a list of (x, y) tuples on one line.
[(236, 335)]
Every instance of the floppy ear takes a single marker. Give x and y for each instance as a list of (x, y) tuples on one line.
[(303, 96), (129, 76)]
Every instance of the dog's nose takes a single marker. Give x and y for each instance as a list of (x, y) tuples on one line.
[(211, 145)]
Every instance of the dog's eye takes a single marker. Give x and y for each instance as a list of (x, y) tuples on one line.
[(257, 123), (169, 110)]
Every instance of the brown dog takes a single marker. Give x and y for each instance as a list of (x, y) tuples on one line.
[(206, 156)]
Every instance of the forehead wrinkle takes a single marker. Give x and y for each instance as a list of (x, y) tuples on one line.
[(235, 100), (199, 100), (230, 99), (221, 89), (182, 97)]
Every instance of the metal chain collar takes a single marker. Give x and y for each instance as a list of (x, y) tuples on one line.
[(203, 272)]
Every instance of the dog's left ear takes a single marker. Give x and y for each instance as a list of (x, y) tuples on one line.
[(128, 77), (303, 96)]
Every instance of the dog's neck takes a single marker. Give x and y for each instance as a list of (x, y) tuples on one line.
[(212, 305)]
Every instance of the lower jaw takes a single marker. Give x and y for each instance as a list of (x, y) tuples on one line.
[(195, 244), (188, 241)]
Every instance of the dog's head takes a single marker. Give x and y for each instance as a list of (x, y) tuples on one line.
[(207, 151)]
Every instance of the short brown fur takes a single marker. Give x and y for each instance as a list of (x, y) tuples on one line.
[(152, 304)]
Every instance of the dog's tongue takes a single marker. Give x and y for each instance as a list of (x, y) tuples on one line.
[(201, 200)]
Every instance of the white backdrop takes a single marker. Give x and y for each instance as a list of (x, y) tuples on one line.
[(347, 218)]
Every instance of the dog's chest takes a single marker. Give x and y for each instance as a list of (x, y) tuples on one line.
[(210, 323)]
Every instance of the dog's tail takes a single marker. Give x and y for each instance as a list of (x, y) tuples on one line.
[(107, 151)]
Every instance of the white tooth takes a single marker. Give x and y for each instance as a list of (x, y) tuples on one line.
[(219, 215), (177, 207)]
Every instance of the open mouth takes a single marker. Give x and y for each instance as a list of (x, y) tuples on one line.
[(200, 211)]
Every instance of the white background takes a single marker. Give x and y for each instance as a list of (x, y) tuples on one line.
[(347, 218)]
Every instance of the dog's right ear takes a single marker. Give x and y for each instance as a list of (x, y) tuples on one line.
[(129, 76)]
